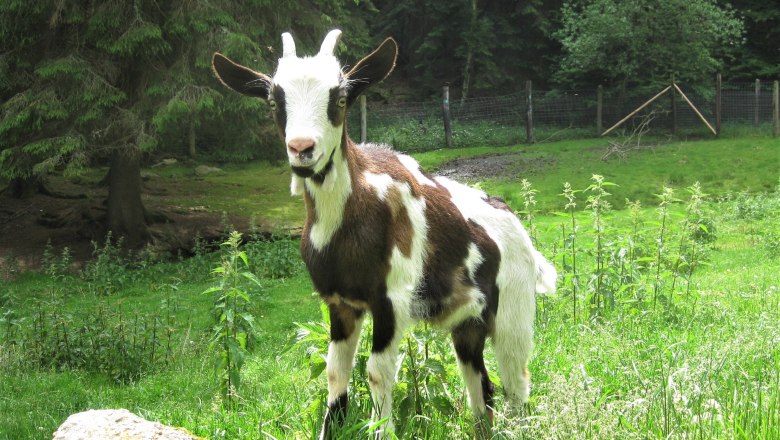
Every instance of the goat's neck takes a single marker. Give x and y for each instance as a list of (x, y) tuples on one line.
[(326, 201)]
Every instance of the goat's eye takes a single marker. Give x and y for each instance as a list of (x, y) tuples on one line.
[(272, 104), (342, 102)]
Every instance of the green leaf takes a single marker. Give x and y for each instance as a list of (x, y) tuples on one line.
[(316, 367), (251, 277), (211, 290)]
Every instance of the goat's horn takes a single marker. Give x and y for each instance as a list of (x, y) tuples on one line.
[(329, 44), (288, 45)]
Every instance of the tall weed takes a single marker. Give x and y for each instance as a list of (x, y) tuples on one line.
[(107, 272), (123, 347), (234, 327)]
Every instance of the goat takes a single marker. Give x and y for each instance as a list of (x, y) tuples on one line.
[(384, 237)]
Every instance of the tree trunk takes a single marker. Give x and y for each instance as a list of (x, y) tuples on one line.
[(126, 213), (192, 143), (469, 54), (23, 187)]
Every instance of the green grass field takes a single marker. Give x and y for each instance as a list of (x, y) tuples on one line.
[(677, 338)]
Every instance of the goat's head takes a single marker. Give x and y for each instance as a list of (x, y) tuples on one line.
[(309, 96)]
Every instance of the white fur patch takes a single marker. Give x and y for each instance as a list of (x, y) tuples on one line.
[(473, 260), (465, 195), (473, 380), (329, 201), (546, 276), (296, 185), (380, 182), (341, 358), (410, 164)]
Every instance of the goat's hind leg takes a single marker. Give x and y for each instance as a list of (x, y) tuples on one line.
[(513, 343), (345, 325), (469, 341)]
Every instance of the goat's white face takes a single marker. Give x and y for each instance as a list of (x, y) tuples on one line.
[(310, 96), (309, 99)]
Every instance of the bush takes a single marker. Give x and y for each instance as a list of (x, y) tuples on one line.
[(100, 341)]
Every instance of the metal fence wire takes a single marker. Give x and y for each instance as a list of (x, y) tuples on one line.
[(746, 103)]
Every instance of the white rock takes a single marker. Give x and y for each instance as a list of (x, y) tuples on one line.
[(165, 162), (111, 424), (203, 170)]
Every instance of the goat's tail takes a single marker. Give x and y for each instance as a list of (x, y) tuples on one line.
[(546, 276)]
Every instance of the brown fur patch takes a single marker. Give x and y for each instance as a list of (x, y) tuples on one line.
[(498, 203), (459, 297), (345, 315)]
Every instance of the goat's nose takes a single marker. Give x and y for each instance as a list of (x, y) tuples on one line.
[(301, 146)]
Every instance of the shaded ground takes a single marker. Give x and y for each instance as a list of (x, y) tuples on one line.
[(26, 225)]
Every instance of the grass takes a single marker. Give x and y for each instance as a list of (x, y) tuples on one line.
[(722, 165), (702, 364)]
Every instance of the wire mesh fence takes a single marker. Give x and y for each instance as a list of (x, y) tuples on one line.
[(502, 120)]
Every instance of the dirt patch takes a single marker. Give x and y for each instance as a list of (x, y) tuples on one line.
[(495, 166), (28, 224)]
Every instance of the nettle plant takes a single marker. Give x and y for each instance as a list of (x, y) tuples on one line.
[(383, 238)]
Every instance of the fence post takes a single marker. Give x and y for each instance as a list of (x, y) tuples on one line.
[(775, 110), (529, 115), (758, 101), (445, 106), (363, 117), (599, 109), (674, 107), (718, 103)]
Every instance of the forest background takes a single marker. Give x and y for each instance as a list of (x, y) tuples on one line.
[(124, 83)]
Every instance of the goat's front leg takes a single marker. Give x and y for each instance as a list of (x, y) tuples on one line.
[(345, 325), (390, 321)]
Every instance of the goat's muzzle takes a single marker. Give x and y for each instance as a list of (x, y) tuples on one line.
[(301, 148)]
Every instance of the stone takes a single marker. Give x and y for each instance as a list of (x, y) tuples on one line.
[(165, 162), (111, 424), (148, 175), (204, 170)]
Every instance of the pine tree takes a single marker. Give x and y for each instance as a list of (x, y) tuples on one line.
[(110, 81)]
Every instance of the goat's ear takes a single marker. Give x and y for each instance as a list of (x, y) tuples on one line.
[(372, 69), (239, 78)]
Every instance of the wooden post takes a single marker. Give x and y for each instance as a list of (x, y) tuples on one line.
[(445, 106), (775, 110), (758, 101), (674, 107), (363, 116), (599, 109), (718, 103), (529, 114)]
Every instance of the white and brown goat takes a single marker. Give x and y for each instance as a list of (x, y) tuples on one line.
[(384, 237)]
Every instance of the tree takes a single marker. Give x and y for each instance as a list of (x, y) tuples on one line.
[(642, 44), (759, 57), (478, 47), (110, 81)]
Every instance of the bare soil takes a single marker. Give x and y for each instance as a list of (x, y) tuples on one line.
[(28, 224), (495, 166)]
